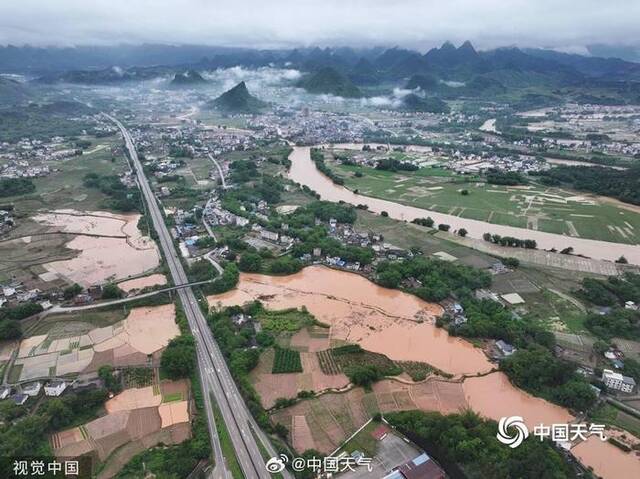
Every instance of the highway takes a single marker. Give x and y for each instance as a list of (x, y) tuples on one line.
[(215, 376)]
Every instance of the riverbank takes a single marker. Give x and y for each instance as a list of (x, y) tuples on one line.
[(304, 172)]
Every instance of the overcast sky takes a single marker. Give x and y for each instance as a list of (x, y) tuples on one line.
[(562, 24)]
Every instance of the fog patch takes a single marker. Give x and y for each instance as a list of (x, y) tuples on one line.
[(258, 78), (394, 100)]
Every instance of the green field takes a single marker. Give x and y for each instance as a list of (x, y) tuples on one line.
[(363, 441), (64, 188), (286, 361), (610, 415), (553, 210), (76, 323), (556, 312)]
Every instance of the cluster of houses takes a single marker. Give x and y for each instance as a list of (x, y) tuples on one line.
[(26, 158), (23, 169), (470, 163), (21, 393), (313, 127), (214, 214), (14, 293)]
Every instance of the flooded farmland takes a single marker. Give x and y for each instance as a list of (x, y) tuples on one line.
[(109, 246), (400, 326), (381, 320)]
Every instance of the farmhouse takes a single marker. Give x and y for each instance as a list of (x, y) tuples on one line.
[(5, 391), (32, 389), (422, 467), (55, 387), (617, 381), (505, 348)]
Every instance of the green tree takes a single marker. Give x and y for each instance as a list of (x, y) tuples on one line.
[(72, 291), (250, 262), (178, 359), (106, 373), (10, 329), (111, 291), (390, 278)]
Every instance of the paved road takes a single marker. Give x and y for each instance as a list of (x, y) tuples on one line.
[(213, 262), (57, 309), (215, 376), (215, 162)]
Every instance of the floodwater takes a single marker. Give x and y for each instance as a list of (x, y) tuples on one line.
[(606, 459), (304, 171), (381, 320), (110, 246), (400, 326), (481, 394)]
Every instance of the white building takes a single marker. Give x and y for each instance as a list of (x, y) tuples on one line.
[(32, 389), (505, 348), (5, 391), (241, 221), (617, 381), (269, 235), (55, 387)]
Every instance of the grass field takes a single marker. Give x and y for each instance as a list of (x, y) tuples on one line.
[(556, 312), (611, 415), (172, 397), (287, 320), (74, 323), (363, 441), (64, 188), (537, 207)]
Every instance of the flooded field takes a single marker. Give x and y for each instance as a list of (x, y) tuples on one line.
[(109, 246), (481, 394), (304, 171), (143, 333), (606, 459), (381, 320), (143, 282), (400, 326)]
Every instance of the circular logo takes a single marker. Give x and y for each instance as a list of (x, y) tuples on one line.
[(506, 437), (276, 464)]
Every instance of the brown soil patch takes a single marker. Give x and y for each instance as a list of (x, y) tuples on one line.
[(301, 434), (136, 417), (133, 398), (144, 282), (271, 386), (174, 413)]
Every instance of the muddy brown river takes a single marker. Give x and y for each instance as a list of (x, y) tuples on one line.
[(401, 326), (304, 171)]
